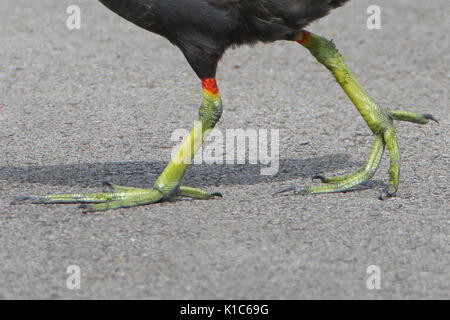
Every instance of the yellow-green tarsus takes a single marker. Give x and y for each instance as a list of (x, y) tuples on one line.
[(168, 183)]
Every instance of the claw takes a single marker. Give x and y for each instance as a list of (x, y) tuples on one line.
[(430, 117), (22, 199), (217, 194), (318, 177), (284, 190), (107, 184), (386, 194)]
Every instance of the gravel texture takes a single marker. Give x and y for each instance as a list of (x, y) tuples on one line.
[(79, 107)]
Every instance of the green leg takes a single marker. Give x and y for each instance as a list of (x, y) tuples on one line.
[(168, 183), (379, 120)]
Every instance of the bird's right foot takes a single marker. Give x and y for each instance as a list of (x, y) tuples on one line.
[(167, 186)]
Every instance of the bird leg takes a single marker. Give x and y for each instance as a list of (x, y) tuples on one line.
[(379, 120), (168, 183)]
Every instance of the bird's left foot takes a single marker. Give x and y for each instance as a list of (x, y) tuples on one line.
[(386, 137), (117, 197), (379, 120)]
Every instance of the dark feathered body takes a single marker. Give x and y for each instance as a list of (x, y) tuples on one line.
[(204, 29)]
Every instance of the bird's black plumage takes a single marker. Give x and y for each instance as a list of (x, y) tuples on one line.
[(204, 29)]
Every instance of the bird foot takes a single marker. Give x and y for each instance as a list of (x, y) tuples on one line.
[(386, 138), (379, 120), (118, 197)]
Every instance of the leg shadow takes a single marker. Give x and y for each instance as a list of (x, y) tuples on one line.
[(143, 174)]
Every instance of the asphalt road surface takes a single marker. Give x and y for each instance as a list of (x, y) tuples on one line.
[(79, 107)]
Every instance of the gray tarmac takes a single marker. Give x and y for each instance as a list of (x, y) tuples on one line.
[(79, 107)]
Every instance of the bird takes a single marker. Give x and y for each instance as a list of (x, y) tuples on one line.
[(203, 30)]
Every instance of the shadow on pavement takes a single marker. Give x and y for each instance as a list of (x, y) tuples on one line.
[(142, 174)]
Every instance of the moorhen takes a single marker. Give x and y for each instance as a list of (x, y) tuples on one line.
[(203, 30)]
